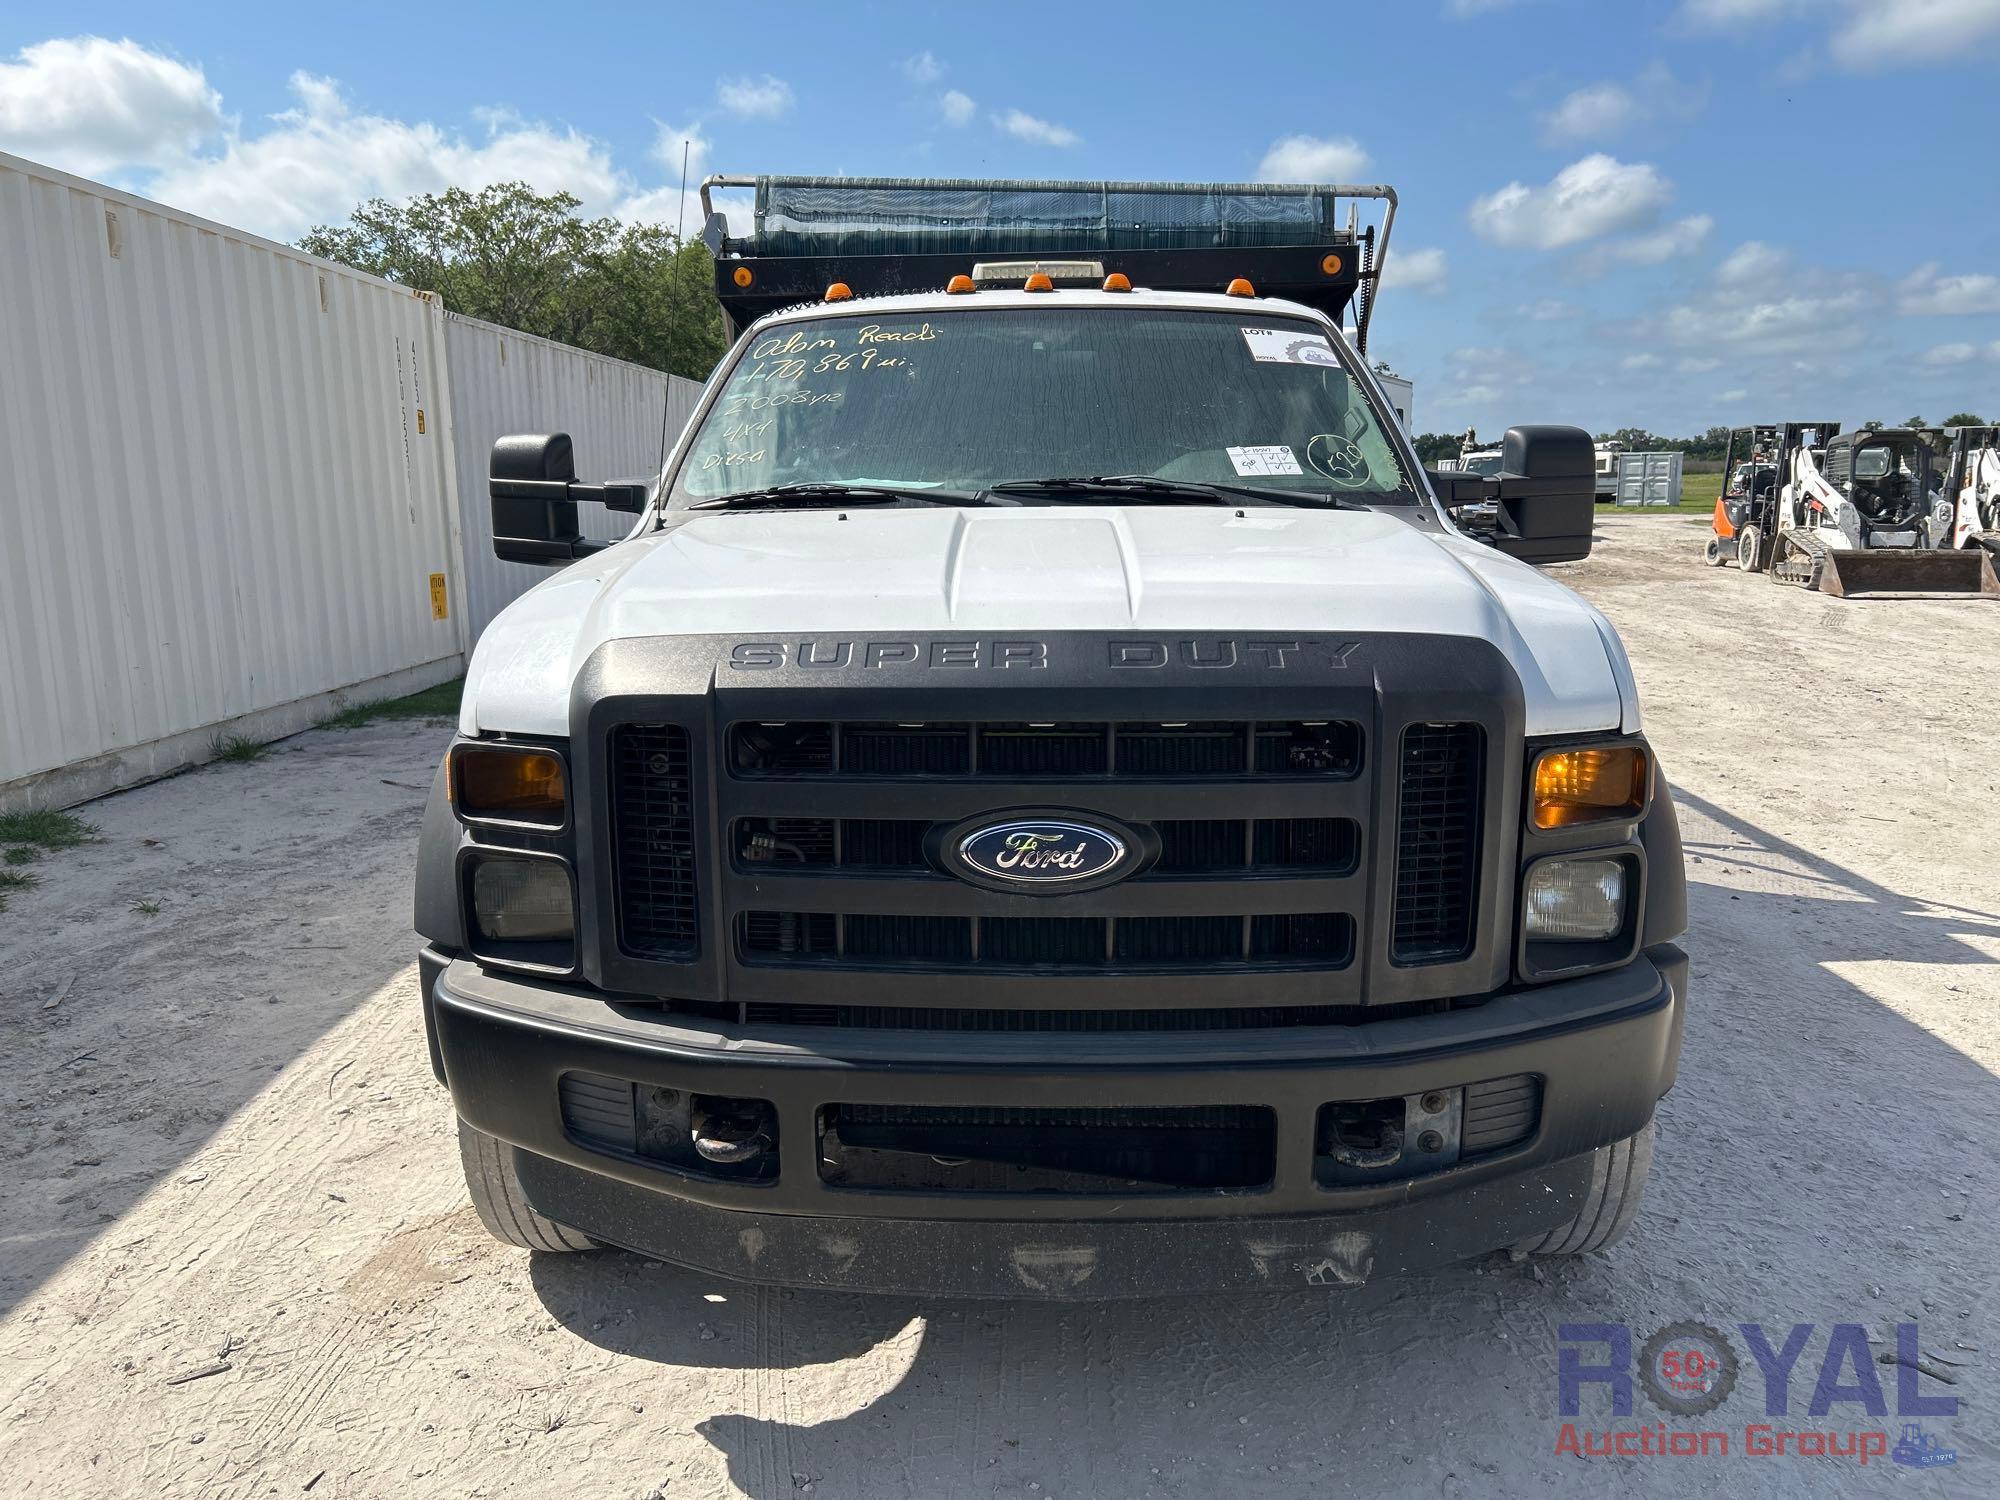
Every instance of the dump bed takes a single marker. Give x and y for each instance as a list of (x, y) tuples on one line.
[(884, 234)]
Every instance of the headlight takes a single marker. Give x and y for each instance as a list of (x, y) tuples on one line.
[(1588, 784), (517, 900), (1575, 900), (508, 784)]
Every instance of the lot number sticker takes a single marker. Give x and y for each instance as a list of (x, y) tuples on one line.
[(1287, 346), (1276, 459)]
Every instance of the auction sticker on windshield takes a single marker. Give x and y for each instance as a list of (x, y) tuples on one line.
[(1273, 459), (1288, 346)]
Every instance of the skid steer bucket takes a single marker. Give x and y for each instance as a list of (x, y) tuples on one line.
[(1885, 571)]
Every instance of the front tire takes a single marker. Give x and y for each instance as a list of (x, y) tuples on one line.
[(1617, 1184), (497, 1197), (1749, 542)]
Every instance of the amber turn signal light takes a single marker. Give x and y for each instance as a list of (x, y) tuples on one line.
[(742, 276), (1589, 785), (507, 785)]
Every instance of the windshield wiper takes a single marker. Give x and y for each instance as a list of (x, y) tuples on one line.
[(1167, 491), (1172, 491), (824, 493)]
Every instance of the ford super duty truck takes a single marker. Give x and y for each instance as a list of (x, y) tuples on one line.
[(1047, 799)]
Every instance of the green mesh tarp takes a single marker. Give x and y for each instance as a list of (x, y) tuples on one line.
[(915, 216)]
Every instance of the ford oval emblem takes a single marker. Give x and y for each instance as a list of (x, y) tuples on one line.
[(1041, 854)]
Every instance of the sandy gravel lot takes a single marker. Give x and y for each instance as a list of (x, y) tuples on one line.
[(222, 1147)]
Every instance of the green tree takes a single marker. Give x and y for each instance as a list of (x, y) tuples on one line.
[(530, 261), (1871, 425), (1432, 446), (1961, 419), (1912, 422)]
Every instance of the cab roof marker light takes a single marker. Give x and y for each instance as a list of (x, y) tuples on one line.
[(840, 291), (960, 284), (1039, 282), (1241, 287), (1117, 281)]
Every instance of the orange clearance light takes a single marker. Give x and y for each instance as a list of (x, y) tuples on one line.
[(1589, 786), (741, 276), (1039, 282), (506, 783), (1118, 281), (840, 291), (1241, 287), (961, 284), (1332, 264)]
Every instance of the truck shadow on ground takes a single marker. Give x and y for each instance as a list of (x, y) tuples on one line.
[(1811, 1161)]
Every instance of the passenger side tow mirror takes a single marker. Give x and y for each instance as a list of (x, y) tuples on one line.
[(1544, 497), (532, 479)]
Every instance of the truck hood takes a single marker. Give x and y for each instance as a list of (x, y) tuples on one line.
[(800, 574)]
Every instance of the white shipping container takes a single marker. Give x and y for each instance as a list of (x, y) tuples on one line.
[(232, 494), (226, 497), (1649, 478), (622, 418)]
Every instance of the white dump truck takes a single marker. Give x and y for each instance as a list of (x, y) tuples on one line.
[(1046, 800)]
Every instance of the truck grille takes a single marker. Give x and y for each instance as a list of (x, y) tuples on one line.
[(1015, 752), (1323, 940), (652, 804), (825, 862), (1437, 842)]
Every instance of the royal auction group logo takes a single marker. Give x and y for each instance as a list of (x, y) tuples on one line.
[(1690, 1369)]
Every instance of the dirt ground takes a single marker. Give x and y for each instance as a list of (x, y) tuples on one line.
[(236, 1258)]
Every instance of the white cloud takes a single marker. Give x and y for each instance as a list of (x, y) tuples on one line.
[(922, 69), (1798, 320), (1682, 237), (1598, 111), (1738, 394), (763, 98), (1548, 310), (318, 160), (1464, 9), (1923, 291), (1752, 263), (1036, 132), (94, 106), (1867, 35), (1951, 354), (1414, 271), (957, 108), (1307, 158), (1695, 366), (1592, 112), (1881, 33), (1641, 362), (1595, 196)]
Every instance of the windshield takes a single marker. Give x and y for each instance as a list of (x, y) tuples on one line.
[(1873, 463), (1484, 464), (966, 400)]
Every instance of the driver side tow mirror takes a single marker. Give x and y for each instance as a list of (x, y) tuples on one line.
[(1544, 497), (532, 479)]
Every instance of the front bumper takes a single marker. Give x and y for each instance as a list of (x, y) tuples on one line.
[(1604, 1046)]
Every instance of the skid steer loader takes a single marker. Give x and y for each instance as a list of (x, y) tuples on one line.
[(1849, 513)]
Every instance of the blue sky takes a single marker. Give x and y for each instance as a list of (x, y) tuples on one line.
[(1666, 214)]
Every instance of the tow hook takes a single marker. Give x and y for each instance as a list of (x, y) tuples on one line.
[(727, 1140)]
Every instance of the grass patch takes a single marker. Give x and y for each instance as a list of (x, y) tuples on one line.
[(45, 830), (238, 747), (15, 880), (440, 702), (21, 854), (147, 908), (1698, 496)]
